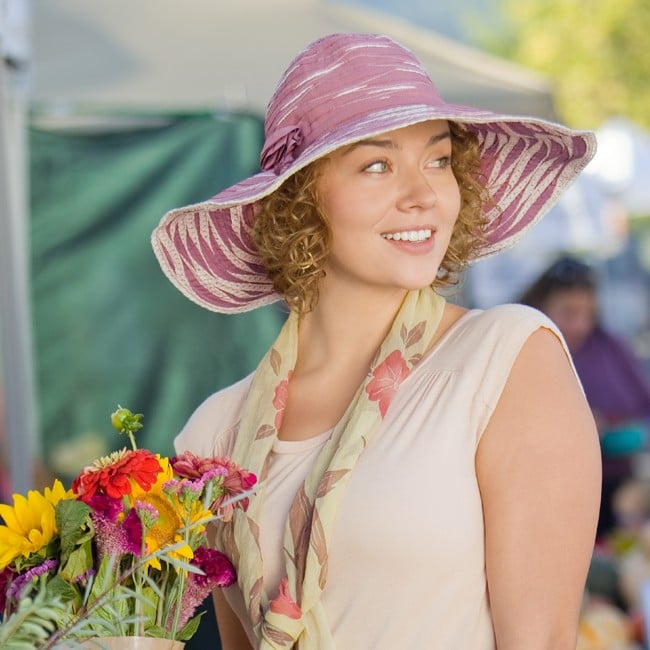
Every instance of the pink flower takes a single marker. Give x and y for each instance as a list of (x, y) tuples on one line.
[(280, 400), (187, 465), (283, 603), (235, 479), (387, 377)]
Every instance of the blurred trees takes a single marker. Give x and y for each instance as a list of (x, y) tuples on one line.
[(595, 53)]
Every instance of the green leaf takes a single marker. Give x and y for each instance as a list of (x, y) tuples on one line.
[(157, 632), (78, 562), (18, 645), (72, 520), (58, 587), (190, 628), (104, 578), (150, 603)]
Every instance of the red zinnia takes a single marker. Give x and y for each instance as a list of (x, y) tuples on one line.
[(112, 475)]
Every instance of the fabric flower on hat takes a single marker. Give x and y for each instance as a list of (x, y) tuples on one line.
[(280, 151)]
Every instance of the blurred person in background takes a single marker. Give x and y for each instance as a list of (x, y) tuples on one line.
[(612, 376)]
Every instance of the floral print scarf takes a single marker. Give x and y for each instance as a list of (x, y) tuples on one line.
[(294, 617)]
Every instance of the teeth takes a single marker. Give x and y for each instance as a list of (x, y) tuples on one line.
[(409, 235)]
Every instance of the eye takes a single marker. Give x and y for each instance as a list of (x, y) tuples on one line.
[(441, 163), (376, 167)]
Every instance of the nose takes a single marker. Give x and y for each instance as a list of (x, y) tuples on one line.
[(416, 191)]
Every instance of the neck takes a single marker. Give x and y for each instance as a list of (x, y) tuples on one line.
[(346, 327)]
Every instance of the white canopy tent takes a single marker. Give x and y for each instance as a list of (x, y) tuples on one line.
[(203, 54), (157, 55)]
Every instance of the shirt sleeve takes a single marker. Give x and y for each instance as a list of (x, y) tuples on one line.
[(211, 429)]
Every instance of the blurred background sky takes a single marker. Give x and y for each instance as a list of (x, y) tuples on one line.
[(467, 21)]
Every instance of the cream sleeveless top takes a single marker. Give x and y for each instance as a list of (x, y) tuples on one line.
[(407, 560)]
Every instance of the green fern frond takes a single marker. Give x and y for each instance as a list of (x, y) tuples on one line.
[(33, 622)]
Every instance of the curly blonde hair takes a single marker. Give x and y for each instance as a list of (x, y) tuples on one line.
[(293, 237)]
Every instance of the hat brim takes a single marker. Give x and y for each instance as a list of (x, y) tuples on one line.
[(206, 249)]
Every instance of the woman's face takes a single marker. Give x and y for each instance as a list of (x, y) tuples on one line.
[(574, 311), (391, 202)]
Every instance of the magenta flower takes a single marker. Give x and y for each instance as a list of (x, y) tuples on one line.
[(218, 569), (117, 539), (132, 527), (219, 572), (6, 578), (105, 507)]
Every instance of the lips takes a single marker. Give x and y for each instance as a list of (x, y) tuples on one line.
[(422, 234)]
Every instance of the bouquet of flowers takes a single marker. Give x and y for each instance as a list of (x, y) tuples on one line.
[(124, 552)]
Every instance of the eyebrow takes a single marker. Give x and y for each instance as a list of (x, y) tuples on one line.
[(391, 144)]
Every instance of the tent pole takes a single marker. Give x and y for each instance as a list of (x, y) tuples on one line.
[(15, 311)]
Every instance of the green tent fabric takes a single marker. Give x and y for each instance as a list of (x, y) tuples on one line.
[(109, 327)]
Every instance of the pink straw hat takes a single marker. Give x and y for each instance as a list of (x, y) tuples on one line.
[(343, 88)]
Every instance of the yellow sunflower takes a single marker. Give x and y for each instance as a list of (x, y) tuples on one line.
[(172, 517), (30, 524)]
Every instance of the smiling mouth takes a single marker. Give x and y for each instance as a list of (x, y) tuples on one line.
[(409, 235)]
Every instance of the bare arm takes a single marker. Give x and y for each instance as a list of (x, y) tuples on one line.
[(538, 466), (231, 632)]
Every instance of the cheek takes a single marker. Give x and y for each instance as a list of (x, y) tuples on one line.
[(451, 200), (351, 211), (455, 197)]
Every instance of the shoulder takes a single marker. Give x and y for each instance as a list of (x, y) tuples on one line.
[(504, 317), (494, 337), (211, 428)]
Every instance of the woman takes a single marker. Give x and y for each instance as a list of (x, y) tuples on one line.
[(420, 490)]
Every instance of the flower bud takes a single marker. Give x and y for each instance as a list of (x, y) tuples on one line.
[(126, 421)]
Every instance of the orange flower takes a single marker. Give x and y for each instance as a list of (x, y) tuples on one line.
[(386, 379), (113, 475), (283, 603)]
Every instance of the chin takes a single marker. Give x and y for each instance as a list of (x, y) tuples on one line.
[(419, 283)]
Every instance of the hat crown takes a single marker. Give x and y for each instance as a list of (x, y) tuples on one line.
[(338, 80)]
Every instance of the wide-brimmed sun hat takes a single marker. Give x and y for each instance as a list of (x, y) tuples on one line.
[(341, 89)]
